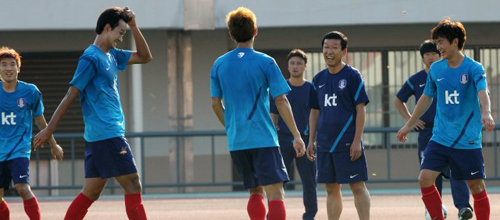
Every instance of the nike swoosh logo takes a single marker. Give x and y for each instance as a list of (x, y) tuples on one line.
[(422, 85), (440, 79), (352, 176), (321, 86), (22, 176), (474, 173)]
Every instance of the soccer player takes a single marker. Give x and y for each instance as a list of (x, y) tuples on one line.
[(337, 121), (244, 78), (463, 108), (107, 152), (415, 85), (299, 101), (21, 102)]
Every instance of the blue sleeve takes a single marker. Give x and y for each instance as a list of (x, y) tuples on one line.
[(38, 108), (277, 83), (272, 105), (479, 77), (86, 70), (406, 91), (215, 87), (122, 57), (313, 96), (358, 89), (430, 87)]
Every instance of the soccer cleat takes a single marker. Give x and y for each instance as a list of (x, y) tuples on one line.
[(465, 213)]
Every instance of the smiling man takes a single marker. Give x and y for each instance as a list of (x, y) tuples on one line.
[(107, 152), (463, 108), (20, 103), (337, 119)]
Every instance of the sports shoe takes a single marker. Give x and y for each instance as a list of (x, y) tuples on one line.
[(465, 213)]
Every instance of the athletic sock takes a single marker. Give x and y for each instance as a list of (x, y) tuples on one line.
[(78, 207), (433, 203), (32, 209), (135, 208), (4, 211), (256, 207), (277, 210), (482, 205)]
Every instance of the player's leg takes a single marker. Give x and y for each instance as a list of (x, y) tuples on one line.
[(307, 172), (243, 161), (481, 200), (271, 174), (424, 136), (4, 207), (91, 192), (19, 168), (5, 179), (120, 164), (93, 186), (469, 165), (434, 161), (361, 199), (131, 184), (276, 196), (354, 173), (333, 201), (328, 175), (256, 206)]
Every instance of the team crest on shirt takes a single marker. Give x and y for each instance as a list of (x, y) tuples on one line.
[(464, 78), (342, 84), (241, 54), (21, 102)]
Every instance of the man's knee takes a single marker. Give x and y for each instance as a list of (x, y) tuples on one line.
[(332, 188), (24, 190), (358, 188), (476, 186), (275, 191)]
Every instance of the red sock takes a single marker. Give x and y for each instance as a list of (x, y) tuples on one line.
[(78, 208), (277, 210), (31, 208), (4, 211), (482, 205), (433, 203), (256, 207), (134, 207)]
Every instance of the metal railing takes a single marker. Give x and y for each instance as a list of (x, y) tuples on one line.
[(387, 143)]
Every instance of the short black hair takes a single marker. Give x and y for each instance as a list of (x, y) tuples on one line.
[(111, 16), (297, 53), (428, 46), (336, 35), (450, 30)]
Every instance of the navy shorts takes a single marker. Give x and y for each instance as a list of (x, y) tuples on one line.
[(464, 164), (260, 166), (338, 168), (17, 169), (109, 158)]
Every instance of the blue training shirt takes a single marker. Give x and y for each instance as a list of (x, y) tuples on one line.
[(415, 85), (97, 79), (336, 96), (244, 78), (18, 109), (301, 107), (458, 118)]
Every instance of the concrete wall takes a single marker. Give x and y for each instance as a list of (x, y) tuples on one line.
[(158, 14)]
